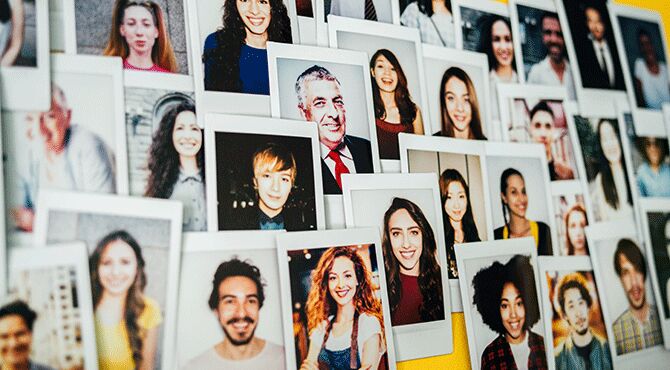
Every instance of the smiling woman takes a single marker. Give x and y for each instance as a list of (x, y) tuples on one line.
[(459, 106)]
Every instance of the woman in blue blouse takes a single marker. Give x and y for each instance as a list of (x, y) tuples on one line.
[(653, 175)]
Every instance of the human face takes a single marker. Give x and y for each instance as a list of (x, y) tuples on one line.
[(653, 150), (256, 15), (15, 341), (647, 48), (552, 37), (503, 49), (609, 142), (53, 126), (273, 187), (513, 313), (594, 23), (457, 99), (542, 130), (576, 225), (117, 268), (633, 283), (139, 29), (325, 106), (406, 241), (342, 281), (515, 196), (456, 203), (576, 311), (385, 74), (186, 134), (238, 309)]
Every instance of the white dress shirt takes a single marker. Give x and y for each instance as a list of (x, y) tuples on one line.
[(543, 74), (606, 58)]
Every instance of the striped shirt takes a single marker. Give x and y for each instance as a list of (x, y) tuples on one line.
[(631, 335)]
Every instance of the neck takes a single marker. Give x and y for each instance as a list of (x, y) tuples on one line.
[(188, 164), (582, 340), (518, 340), (345, 313), (505, 72), (234, 352), (140, 60), (388, 98), (462, 134), (258, 41), (557, 64), (458, 229), (269, 211), (414, 271), (642, 313), (518, 225), (655, 167)]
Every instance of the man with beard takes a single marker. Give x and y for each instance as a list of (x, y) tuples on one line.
[(638, 327), (236, 299), (582, 348), (16, 337), (320, 100), (554, 69)]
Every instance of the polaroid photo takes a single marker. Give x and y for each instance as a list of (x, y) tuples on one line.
[(592, 50), (229, 302), (160, 44), (3, 223), (371, 11), (600, 157), (308, 82), (536, 114), (570, 294), (539, 45), (570, 218), (407, 209), (395, 64), (644, 59), (166, 155), (628, 303), (25, 64), (435, 22), (655, 222), (327, 274), (57, 21), (146, 232), (49, 298), (457, 84), (499, 281), (306, 21), (517, 213), (78, 144), (263, 174)]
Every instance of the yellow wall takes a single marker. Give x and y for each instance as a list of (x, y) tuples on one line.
[(460, 358)]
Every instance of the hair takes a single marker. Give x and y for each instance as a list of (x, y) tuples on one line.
[(21, 309), (486, 40), (320, 305), (162, 53), (403, 100), (426, 6), (230, 37), (58, 97), (313, 73), (627, 248), (642, 141), (577, 207), (277, 157), (134, 305), (573, 281), (488, 286), (232, 268), (430, 280), (503, 189), (468, 222), (541, 106), (164, 162), (476, 122), (607, 180)]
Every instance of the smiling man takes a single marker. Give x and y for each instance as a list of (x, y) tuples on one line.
[(320, 100), (236, 299), (541, 130), (16, 337), (638, 327)]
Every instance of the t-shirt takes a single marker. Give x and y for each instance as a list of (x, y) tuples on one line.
[(153, 68), (655, 88), (407, 311), (368, 326), (585, 354), (114, 352), (521, 352), (270, 357)]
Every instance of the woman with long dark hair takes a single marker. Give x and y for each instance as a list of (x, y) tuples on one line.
[(653, 174), (412, 269), (177, 164), (459, 223), (433, 19), (459, 106), (514, 205), (235, 56), (395, 112), (139, 36), (575, 222), (496, 43), (126, 321)]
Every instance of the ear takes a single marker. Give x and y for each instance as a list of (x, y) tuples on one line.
[(122, 30), (303, 112), (255, 182), (503, 197)]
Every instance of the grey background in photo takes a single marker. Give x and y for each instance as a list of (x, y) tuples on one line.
[(352, 87), (94, 22), (472, 23)]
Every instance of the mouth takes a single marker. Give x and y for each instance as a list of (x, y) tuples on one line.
[(256, 21), (342, 292), (409, 254), (241, 325), (331, 126), (116, 283), (387, 81), (515, 325), (140, 44)]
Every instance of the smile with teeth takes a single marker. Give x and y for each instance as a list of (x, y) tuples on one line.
[(515, 324), (408, 254), (256, 21), (342, 292), (241, 326)]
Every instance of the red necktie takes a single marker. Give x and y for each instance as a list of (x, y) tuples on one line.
[(340, 167)]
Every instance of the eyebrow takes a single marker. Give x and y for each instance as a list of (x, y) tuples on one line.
[(234, 296)]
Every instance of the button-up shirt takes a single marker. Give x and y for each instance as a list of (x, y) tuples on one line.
[(190, 191), (632, 335)]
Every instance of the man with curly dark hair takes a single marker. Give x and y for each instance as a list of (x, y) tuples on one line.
[(16, 336)]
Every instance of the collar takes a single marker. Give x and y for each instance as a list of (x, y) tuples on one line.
[(343, 149), (265, 219), (191, 177)]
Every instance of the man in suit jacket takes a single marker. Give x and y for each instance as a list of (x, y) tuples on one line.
[(320, 101)]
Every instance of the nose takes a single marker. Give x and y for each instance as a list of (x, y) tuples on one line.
[(332, 111), (512, 312), (254, 7), (240, 310), (275, 183), (405, 241), (460, 105)]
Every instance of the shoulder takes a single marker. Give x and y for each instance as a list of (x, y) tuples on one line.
[(82, 138), (151, 315), (411, 11), (355, 140), (212, 40), (273, 350), (204, 360), (542, 227), (498, 233), (369, 324), (624, 317), (535, 339)]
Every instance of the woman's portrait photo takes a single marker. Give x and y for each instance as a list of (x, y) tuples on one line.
[(459, 107), (18, 36), (649, 158), (571, 220), (370, 10), (395, 111), (432, 18)]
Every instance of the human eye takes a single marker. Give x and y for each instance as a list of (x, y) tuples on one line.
[(395, 234), (286, 179), (338, 101), (332, 277), (348, 275), (503, 305), (415, 232), (253, 300)]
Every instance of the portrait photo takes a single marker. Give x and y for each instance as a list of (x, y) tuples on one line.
[(133, 257), (331, 88), (370, 10), (502, 305), (457, 84), (77, 144), (576, 326), (520, 195), (229, 313), (46, 319), (335, 277), (18, 33), (571, 219), (407, 210), (433, 19)]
